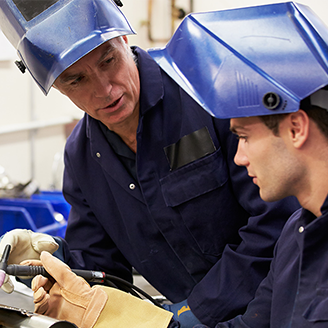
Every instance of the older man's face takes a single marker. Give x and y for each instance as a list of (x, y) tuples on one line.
[(104, 83)]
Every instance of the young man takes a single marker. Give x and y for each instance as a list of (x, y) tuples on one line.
[(149, 174), (287, 155)]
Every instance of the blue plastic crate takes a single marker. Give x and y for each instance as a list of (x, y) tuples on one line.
[(40, 212), (56, 199), (12, 217)]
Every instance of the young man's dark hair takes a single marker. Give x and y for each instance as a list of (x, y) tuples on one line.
[(316, 113)]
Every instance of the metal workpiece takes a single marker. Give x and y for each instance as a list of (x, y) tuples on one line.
[(252, 61), (11, 317)]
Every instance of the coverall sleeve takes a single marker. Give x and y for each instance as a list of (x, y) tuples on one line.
[(258, 310), (90, 247), (230, 285), (258, 313)]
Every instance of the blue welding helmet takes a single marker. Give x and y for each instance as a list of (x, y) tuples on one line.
[(249, 61), (50, 35)]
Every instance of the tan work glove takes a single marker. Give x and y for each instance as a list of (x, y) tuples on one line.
[(71, 298), (67, 297), (25, 245)]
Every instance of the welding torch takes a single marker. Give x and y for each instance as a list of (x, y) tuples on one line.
[(91, 276)]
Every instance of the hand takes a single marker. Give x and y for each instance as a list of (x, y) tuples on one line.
[(182, 313), (25, 245), (66, 296)]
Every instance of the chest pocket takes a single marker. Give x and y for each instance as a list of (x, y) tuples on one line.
[(317, 311), (194, 179), (189, 148)]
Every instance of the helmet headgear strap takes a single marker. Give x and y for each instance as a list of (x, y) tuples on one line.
[(320, 98), (118, 3)]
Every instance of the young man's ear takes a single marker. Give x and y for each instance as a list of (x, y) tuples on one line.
[(299, 124)]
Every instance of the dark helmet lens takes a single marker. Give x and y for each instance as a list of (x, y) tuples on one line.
[(32, 8)]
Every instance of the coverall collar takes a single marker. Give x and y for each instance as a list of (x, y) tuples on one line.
[(151, 84)]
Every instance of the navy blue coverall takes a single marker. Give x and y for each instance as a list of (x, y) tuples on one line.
[(295, 293), (192, 223)]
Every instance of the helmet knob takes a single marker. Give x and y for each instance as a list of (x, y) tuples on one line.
[(271, 100)]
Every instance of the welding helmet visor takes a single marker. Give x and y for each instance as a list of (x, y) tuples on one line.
[(248, 61), (51, 35)]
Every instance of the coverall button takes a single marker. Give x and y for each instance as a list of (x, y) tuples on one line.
[(132, 186), (98, 155), (300, 229)]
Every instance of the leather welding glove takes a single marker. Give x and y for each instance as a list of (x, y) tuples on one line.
[(25, 244), (69, 297)]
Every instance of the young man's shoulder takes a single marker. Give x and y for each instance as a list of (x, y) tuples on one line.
[(290, 227), (293, 221)]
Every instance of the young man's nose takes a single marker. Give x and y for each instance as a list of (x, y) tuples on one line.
[(240, 157)]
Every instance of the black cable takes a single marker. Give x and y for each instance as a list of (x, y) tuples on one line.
[(110, 284), (132, 288), (123, 287)]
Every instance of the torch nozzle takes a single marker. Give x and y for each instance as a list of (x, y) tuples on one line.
[(4, 264)]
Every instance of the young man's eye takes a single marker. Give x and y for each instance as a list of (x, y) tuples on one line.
[(242, 138)]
